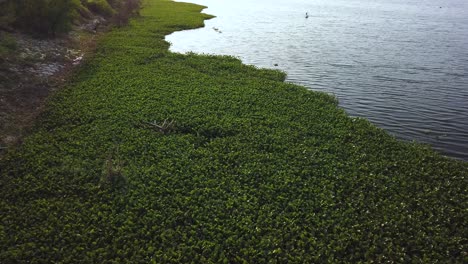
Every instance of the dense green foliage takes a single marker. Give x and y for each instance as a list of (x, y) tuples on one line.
[(49, 17), (45, 16), (155, 157), (8, 44), (99, 6), (7, 12)]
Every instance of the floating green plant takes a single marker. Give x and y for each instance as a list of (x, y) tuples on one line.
[(254, 170)]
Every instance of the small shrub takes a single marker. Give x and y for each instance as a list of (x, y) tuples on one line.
[(7, 44), (8, 41), (84, 12), (100, 7), (115, 4), (112, 176), (126, 9), (46, 17), (7, 13)]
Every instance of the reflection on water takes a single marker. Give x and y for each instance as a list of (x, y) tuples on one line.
[(403, 64)]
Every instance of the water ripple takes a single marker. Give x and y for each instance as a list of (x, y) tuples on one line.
[(403, 64)]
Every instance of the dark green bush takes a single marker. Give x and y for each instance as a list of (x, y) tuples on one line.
[(115, 4), (125, 10), (112, 176), (51, 17), (7, 41), (7, 44), (7, 13), (100, 7), (45, 17)]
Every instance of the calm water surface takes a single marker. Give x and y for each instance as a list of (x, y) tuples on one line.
[(403, 64)]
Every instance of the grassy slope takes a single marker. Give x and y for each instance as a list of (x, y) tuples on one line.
[(255, 169)]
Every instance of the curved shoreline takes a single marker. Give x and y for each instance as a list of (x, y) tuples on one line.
[(428, 118)]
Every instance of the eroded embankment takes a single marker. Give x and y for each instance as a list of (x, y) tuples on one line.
[(154, 156), (32, 68)]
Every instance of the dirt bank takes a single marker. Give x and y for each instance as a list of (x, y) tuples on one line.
[(31, 69)]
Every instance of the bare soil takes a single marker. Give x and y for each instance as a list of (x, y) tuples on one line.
[(34, 70)]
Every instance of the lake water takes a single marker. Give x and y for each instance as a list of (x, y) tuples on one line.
[(402, 64)]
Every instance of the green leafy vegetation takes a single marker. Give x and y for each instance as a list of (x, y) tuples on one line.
[(8, 44), (45, 16), (155, 157), (51, 17), (99, 6)]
